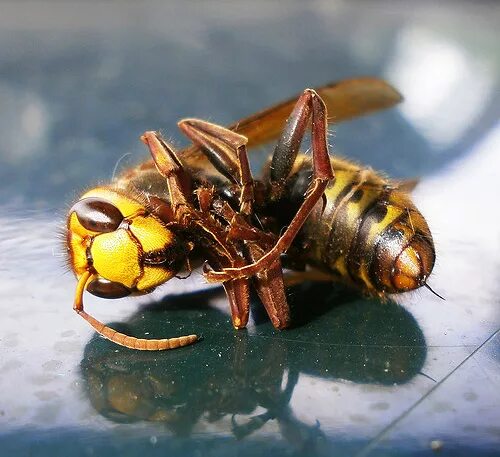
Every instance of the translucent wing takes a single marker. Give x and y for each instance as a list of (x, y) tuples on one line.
[(344, 100)]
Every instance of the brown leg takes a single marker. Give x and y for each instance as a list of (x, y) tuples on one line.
[(168, 164), (271, 289), (205, 198), (238, 294), (239, 228), (268, 283), (227, 152), (308, 105)]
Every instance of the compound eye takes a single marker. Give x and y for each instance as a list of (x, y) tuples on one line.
[(103, 288), (97, 215)]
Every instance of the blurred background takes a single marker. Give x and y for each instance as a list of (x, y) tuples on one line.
[(81, 81)]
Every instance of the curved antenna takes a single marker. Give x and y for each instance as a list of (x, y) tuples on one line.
[(130, 342)]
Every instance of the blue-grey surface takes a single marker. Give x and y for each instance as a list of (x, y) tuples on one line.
[(80, 82)]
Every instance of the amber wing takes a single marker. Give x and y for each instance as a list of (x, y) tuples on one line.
[(344, 100)]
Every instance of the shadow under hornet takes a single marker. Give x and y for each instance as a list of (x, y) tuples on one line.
[(232, 373)]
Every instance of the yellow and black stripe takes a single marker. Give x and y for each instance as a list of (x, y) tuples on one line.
[(370, 234)]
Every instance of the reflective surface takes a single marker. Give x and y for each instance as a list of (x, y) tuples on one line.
[(80, 83)]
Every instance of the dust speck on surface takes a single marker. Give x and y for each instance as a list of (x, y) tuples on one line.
[(380, 406), (470, 396), (9, 340), (45, 395), (358, 418), (11, 365), (442, 407), (52, 365), (42, 379), (67, 346)]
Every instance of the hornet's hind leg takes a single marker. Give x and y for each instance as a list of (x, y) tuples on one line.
[(308, 107)]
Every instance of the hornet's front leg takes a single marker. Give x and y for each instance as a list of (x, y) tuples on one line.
[(227, 152), (169, 166)]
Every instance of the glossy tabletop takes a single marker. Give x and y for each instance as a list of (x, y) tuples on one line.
[(80, 82)]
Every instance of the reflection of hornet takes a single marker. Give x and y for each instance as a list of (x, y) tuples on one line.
[(326, 213), (234, 376)]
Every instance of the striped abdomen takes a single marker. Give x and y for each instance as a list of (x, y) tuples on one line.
[(370, 233)]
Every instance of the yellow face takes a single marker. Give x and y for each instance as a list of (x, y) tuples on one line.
[(123, 248)]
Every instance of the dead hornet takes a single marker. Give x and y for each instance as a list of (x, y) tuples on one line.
[(346, 222)]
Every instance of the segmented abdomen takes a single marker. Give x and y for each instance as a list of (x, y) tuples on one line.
[(370, 233)]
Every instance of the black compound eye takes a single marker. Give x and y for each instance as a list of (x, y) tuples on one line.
[(97, 215), (103, 288)]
